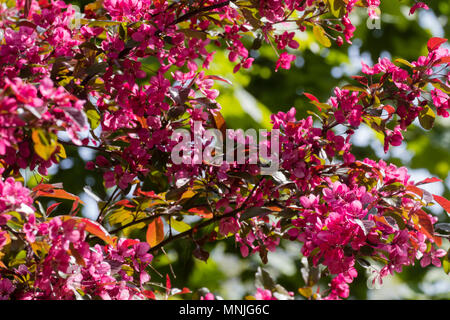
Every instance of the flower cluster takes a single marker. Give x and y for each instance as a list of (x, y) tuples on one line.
[(71, 268)]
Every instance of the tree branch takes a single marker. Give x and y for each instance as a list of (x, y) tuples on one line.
[(192, 13), (206, 223)]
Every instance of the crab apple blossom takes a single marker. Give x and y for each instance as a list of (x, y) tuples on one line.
[(123, 76)]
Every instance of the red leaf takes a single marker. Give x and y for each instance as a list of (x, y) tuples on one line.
[(360, 79), (389, 109), (125, 203), (443, 60), (219, 123), (51, 208), (92, 227), (148, 194), (426, 226), (155, 232), (47, 187), (148, 294), (168, 284), (218, 78), (203, 212), (311, 97), (443, 202), (129, 242), (185, 290), (435, 43), (429, 180), (97, 230), (415, 190), (74, 211), (57, 193)]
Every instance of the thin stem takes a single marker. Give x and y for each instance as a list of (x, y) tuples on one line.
[(113, 195)]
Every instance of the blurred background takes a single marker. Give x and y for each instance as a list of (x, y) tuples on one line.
[(259, 92)]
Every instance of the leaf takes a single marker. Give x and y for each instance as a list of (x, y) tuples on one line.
[(40, 247), (62, 152), (58, 193), (306, 292), (435, 43), (426, 118), (263, 279), (78, 258), (255, 23), (429, 180), (203, 212), (311, 97), (353, 88), (179, 95), (389, 109), (94, 118), (51, 208), (415, 190), (45, 143), (213, 77), (179, 226), (168, 284), (425, 225), (254, 212), (397, 217), (96, 229), (321, 36), (93, 227), (200, 254), (155, 232), (337, 7), (193, 33), (444, 203), (405, 62), (442, 60), (438, 84), (26, 8), (149, 294)]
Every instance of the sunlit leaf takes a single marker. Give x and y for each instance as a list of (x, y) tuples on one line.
[(45, 143), (321, 36), (155, 232), (427, 117)]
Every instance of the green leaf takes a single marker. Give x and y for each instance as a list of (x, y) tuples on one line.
[(321, 37), (93, 117), (426, 118), (400, 222), (179, 226)]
